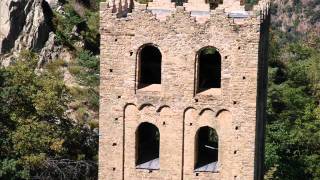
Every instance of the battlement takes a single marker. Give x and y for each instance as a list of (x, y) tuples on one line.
[(161, 9)]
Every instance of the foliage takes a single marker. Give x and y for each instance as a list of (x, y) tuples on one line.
[(35, 132), (86, 68), (293, 129), (64, 25), (296, 15), (78, 20), (38, 140), (79, 24)]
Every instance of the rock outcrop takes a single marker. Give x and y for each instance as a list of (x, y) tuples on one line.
[(296, 16), (24, 24), (50, 51)]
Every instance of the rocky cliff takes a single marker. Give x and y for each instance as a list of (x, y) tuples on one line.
[(296, 15), (47, 27), (25, 24), (64, 36)]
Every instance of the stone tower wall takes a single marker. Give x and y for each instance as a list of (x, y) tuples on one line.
[(174, 106), (262, 96)]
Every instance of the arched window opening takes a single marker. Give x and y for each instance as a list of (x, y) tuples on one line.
[(150, 66), (209, 69), (206, 150), (147, 147)]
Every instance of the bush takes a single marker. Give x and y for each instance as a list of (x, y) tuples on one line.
[(35, 131), (90, 68)]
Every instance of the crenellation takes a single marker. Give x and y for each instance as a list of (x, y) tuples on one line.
[(200, 10)]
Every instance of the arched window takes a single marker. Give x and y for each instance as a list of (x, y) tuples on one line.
[(149, 71), (209, 69), (206, 150), (147, 146)]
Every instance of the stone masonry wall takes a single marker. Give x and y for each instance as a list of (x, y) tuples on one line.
[(175, 108), (262, 96)]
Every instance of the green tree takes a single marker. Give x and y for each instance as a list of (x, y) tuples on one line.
[(37, 139), (293, 129)]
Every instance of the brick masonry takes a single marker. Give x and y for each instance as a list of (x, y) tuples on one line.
[(235, 111)]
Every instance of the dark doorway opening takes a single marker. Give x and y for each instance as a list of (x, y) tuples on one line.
[(147, 147), (206, 150), (209, 69), (150, 66)]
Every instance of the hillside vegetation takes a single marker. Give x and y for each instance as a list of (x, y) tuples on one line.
[(48, 125), (293, 123), (38, 140)]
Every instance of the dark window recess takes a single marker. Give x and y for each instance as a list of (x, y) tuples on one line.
[(209, 75), (150, 66), (147, 147), (206, 150)]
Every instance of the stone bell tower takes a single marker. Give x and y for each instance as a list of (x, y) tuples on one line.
[(183, 90)]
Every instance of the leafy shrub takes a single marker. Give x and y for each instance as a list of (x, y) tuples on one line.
[(90, 68), (293, 129), (35, 131)]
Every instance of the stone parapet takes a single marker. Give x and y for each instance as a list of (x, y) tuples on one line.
[(164, 8)]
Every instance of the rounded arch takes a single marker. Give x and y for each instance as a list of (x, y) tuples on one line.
[(205, 110), (222, 111), (147, 44), (129, 109), (142, 106), (224, 118), (189, 115), (206, 149), (149, 60), (208, 68), (128, 104), (189, 109), (147, 146), (163, 107)]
